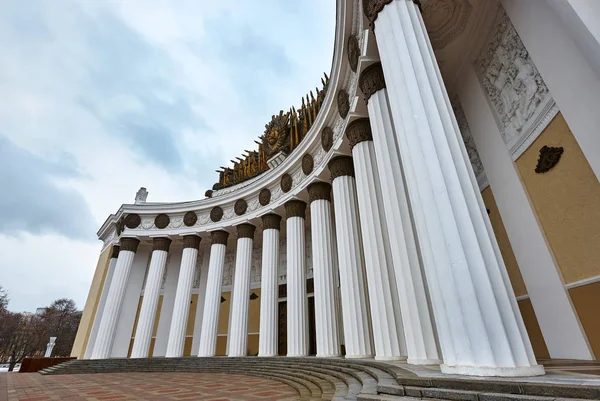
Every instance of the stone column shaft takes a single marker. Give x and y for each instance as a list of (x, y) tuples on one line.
[(297, 317), (353, 286), (114, 299), (181, 308), (145, 324), (238, 331), (212, 299), (269, 291), (479, 325), (326, 322)]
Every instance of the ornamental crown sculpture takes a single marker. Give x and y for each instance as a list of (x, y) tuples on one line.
[(282, 135)]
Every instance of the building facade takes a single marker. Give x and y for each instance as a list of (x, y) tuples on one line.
[(437, 202)]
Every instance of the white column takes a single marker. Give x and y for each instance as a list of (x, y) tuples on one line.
[(355, 309), (101, 304), (238, 332), (114, 300), (388, 335), (181, 308), (480, 329), (145, 323), (297, 303), (269, 288), (419, 332), (326, 324), (212, 299)]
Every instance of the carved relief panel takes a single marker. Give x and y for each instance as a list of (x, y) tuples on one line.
[(469, 142), (520, 99)]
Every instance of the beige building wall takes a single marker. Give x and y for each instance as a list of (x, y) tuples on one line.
[(91, 305)]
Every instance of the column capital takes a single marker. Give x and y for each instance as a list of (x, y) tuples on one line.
[(341, 166), (271, 220), (129, 244), (318, 191), (114, 253), (372, 8), (359, 131), (245, 230), (295, 208), (219, 237), (191, 241), (161, 244), (371, 80)]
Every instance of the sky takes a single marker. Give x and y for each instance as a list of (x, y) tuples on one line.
[(101, 97)]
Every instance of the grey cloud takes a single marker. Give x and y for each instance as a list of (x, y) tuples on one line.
[(31, 200)]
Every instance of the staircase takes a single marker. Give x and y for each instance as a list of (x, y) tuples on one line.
[(342, 379)]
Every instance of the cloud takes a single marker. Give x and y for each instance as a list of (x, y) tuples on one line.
[(34, 200), (103, 97)]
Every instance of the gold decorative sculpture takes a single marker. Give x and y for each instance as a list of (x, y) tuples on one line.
[(282, 134)]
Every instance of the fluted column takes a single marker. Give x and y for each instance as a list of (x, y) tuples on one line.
[(388, 336), (145, 324), (355, 312), (181, 308), (267, 339), (326, 322), (116, 293), (238, 333), (479, 325), (212, 298), (297, 318)]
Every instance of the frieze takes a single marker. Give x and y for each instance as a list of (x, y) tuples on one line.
[(520, 99), (465, 132), (161, 221), (264, 197), (132, 220), (286, 182), (327, 138), (216, 214), (343, 103), (308, 164), (353, 52), (240, 207), (190, 219)]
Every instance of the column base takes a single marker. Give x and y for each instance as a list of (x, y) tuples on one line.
[(338, 356), (236, 355), (206, 356), (267, 355), (359, 357), (296, 355), (536, 370), (389, 358), (411, 361), (173, 356)]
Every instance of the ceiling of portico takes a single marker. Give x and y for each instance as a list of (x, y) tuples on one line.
[(456, 29)]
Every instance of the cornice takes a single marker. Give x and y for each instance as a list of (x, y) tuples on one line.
[(348, 20)]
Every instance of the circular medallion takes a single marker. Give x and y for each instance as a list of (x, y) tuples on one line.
[(161, 221), (208, 193), (132, 220), (343, 103), (264, 197), (216, 214), (353, 52), (286, 183), (190, 219), (307, 164), (327, 138), (240, 207)]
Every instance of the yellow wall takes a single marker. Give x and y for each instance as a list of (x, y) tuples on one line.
[(505, 248), (586, 300), (91, 305), (566, 200), (533, 329)]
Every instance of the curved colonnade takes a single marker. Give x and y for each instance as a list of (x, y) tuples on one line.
[(393, 208)]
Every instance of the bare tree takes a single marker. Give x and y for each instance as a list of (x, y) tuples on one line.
[(61, 320)]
